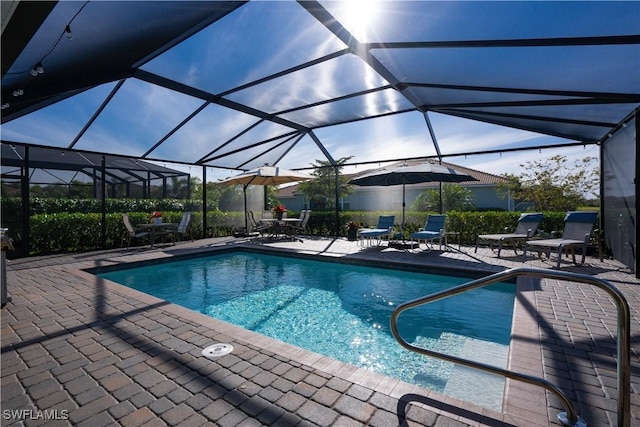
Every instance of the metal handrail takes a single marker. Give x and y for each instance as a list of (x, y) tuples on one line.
[(570, 418)]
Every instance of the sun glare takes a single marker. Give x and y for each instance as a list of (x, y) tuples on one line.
[(359, 17)]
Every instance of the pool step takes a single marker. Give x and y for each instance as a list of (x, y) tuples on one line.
[(475, 386)]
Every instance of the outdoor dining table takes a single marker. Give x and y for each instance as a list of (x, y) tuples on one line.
[(158, 229), (281, 225)]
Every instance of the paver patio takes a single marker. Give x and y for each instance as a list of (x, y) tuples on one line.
[(90, 352)]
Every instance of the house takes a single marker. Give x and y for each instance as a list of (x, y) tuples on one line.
[(485, 192)]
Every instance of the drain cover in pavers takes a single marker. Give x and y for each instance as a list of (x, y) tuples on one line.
[(217, 350)]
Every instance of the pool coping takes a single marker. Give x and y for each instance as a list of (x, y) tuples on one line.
[(523, 404), (349, 260), (55, 321)]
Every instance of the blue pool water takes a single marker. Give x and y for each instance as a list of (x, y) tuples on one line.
[(343, 311)]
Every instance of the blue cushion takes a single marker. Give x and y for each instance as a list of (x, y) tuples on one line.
[(581, 216), (385, 222), (434, 223), (531, 217), (425, 235), (374, 232)]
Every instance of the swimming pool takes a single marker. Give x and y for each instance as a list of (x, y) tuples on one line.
[(343, 311)]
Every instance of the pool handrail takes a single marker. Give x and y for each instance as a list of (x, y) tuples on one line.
[(570, 418)]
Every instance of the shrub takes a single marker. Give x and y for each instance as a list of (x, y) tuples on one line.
[(68, 225), (73, 232), (468, 224), (43, 205)]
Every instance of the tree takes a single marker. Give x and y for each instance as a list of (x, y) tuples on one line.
[(74, 190), (80, 190), (272, 200), (553, 184), (230, 199), (454, 198), (215, 194), (321, 191), (196, 188), (180, 187)]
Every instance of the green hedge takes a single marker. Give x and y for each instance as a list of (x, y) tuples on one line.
[(72, 232), (65, 225), (42, 205), (468, 224)]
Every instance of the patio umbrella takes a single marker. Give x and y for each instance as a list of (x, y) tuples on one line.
[(423, 172), (265, 175)]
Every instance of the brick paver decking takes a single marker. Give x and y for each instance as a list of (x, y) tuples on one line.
[(79, 350)]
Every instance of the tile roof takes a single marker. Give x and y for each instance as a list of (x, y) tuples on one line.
[(483, 178)]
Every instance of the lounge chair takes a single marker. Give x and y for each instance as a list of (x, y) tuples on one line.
[(527, 227), (578, 226), (133, 232), (383, 229), (433, 229)]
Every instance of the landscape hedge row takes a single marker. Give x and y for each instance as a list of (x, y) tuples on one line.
[(67, 225), (468, 224), (43, 205), (73, 232)]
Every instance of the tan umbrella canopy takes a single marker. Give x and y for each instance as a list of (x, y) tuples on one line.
[(265, 175)]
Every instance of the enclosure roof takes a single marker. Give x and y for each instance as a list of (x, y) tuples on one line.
[(242, 84), (118, 170)]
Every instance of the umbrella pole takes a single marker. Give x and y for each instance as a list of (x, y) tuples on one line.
[(246, 221), (403, 205)]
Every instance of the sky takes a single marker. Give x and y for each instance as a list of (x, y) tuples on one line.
[(495, 163), (219, 58)]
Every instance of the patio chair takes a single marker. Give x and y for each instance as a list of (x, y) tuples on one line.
[(133, 232), (181, 230), (433, 229), (383, 229), (301, 227), (577, 231), (256, 228), (527, 227)]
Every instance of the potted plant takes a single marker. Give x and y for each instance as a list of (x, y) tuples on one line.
[(279, 211), (156, 217), (352, 230)]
